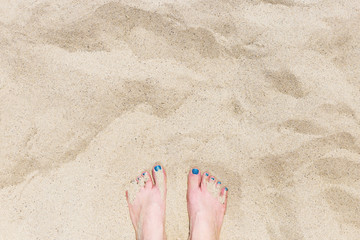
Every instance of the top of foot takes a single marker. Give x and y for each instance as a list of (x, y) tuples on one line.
[(146, 199), (207, 199)]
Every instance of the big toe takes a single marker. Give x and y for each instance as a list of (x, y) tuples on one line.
[(194, 179), (159, 176)]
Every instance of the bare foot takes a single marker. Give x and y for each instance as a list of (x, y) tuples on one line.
[(206, 205), (147, 202)]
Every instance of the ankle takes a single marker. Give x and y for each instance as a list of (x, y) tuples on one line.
[(151, 234), (199, 234), (151, 237), (202, 228)]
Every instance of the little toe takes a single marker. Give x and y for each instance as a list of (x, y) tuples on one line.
[(132, 191), (194, 179), (223, 195), (159, 176)]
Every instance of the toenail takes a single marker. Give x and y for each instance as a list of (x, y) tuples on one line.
[(212, 178), (226, 189), (143, 174), (206, 174), (219, 182), (195, 171), (157, 168)]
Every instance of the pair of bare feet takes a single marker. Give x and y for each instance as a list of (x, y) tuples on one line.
[(206, 203)]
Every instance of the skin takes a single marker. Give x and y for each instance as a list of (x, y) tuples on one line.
[(206, 203)]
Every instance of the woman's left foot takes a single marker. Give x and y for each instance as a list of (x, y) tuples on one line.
[(147, 202)]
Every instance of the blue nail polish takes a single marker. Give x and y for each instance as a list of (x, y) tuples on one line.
[(157, 168), (206, 174), (219, 182), (212, 178), (195, 171), (226, 189), (143, 174)]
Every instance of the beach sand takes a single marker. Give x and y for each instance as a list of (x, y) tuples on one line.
[(264, 94)]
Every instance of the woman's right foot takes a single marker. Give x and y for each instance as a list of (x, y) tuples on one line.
[(206, 200)]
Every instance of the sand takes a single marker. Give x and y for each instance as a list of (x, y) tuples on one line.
[(264, 94)]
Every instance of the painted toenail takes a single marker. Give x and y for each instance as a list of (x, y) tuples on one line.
[(219, 182), (206, 174), (195, 171), (226, 189), (143, 174), (157, 168), (212, 178)]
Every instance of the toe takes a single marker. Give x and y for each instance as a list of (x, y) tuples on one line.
[(140, 181), (212, 180), (194, 179), (132, 191), (148, 183), (204, 180), (144, 180), (211, 186), (224, 195), (218, 186), (159, 176)]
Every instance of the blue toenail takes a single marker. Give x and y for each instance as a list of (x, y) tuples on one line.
[(143, 174), (206, 174), (219, 182), (157, 168), (212, 178), (195, 171), (226, 189)]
